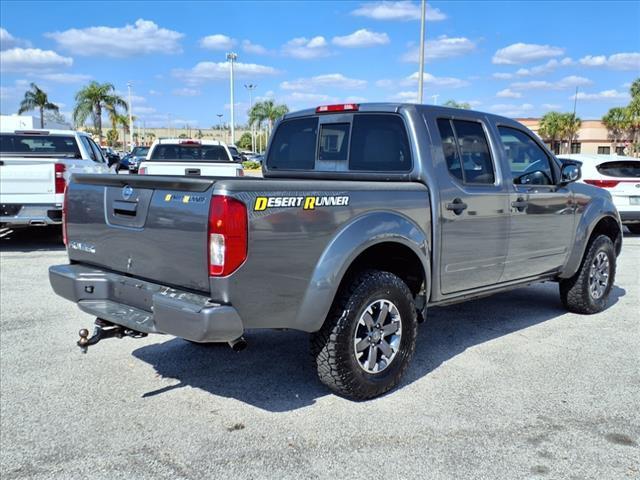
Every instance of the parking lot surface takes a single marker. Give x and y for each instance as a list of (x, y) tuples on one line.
[(509, 386)]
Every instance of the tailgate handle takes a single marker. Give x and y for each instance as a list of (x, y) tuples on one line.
[(192, 171), (125, 208)]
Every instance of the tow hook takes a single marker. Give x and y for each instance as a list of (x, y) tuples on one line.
[(103, 330)]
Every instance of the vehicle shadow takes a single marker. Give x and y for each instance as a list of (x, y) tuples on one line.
[(275, 372), (31, 239)]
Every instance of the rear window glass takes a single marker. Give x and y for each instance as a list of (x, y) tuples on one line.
[(39, 144), (371, 142), (189, 153), (627, 168), (140, 151)]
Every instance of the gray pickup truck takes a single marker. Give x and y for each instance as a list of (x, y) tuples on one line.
[(366, 216)]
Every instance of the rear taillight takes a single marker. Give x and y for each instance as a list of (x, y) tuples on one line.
[(142, 171), (227, 235), (603, 183), (64, 217), (240, 172), (59, 169)]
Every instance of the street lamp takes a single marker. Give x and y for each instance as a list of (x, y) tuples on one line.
[(130, 118), (232, 57), (251, 87), (219, 115)]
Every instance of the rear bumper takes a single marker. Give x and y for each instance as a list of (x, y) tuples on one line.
[(144, 306), (30, 215)]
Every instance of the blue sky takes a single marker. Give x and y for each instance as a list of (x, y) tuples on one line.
[(511, 58)]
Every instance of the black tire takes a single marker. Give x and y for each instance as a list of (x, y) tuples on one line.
[(634, 228), (333, 346), (575, 293)]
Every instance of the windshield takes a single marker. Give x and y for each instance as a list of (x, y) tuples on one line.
[(234, 151), (140, 151), (39, 145), (190, 153), (620, 168)]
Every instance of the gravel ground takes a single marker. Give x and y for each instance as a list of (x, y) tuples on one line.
[(505, 387)]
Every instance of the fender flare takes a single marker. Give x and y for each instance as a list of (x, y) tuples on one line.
[(361, 233), (594, 212)]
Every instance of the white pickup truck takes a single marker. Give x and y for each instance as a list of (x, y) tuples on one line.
[(35, 166), (177, 156)]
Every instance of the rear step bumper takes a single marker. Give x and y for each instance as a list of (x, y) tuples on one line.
[(30, 215), (144, 306)]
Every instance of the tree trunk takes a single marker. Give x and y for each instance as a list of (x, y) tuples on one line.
[(41, 117), (99, 122)]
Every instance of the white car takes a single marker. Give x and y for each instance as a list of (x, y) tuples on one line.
[(35, 166), (620, 176), (177, 156)]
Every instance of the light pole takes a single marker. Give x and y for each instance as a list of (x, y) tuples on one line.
[(421, 73), (232, 57), (251, 87), (130, 118), (219, 115)]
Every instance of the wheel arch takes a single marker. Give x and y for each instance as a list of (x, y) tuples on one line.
[(373, 240)]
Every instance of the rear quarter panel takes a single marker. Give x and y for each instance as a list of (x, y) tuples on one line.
[(297, 256)]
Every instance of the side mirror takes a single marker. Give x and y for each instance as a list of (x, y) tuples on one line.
[(570, 173)]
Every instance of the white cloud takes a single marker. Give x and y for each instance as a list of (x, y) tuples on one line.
[(503, 76), (442, 47), (405, 96), (551, 106), (384, 83), (154, 92), (144, 37), (187, 92), (32, 59), (330, 80), (66, 77), (361, 38), (617, 61), (8, 41), (306, 49), (446, 82), (508, 93), (306, 97), (511, 110), (566, 82), (208, 71), (524, 53), (545, 68), (397, 10), (249, 47), (603, 95), (217, 42)]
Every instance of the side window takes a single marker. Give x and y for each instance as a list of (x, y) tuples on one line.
[(294, 145), (87, 147), (529, 163), (466, 151), (96, 152)]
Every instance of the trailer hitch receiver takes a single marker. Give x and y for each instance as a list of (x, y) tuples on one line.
[(104, 329)]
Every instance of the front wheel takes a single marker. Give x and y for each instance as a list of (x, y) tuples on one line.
[(366, 342), (588, 290)]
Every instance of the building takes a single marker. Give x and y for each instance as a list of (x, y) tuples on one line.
[(593, 137)]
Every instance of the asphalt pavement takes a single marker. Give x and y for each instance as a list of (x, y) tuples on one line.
[(505, 387)]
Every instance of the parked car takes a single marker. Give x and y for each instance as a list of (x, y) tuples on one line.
[(367, 216), (177, 156), (235, 154), (133, 159), (620, 176), (35, 166), (112, 157)]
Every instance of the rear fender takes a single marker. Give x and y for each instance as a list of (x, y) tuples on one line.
[(353, 239)]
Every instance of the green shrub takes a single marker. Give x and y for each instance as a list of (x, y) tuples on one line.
[(250, 165)]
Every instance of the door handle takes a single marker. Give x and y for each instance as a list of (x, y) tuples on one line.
[(457, 206), (520, 204), (192, 171)]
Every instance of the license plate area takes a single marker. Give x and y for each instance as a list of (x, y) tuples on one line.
[(634, 200), (134, 294)]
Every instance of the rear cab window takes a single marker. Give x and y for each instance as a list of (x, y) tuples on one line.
[(21, 144), (620, 168), (189, 152), (364, 142)]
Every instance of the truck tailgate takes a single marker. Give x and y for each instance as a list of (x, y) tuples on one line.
[(211, 169), (150, 227), (26, 181)]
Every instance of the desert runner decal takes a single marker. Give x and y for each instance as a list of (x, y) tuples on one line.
[(306, 202), (172, 197)]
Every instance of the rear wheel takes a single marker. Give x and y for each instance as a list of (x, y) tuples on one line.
[(365, 345), (588, 290), (634, 228)]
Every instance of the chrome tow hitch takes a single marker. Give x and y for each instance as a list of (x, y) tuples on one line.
[(104, 329)]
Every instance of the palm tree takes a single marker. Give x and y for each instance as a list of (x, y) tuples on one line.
[(569, 126), (92, 100), (266, 111), (454, 104), (37, 98), (617, 122), (634, 114), (551, 126)]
